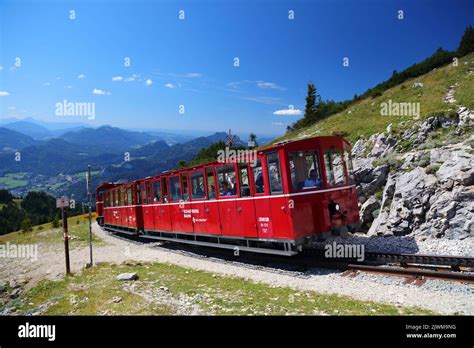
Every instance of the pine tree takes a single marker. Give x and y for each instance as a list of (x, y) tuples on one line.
[(467, 42), (312, 102)]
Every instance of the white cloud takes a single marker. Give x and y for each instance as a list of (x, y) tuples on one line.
[(68, 87), (277, 123), (149, 82), (169, 85), (288, 112), (265, 100), (260, 84), (11, 108), (100, 92), (4, 93), (1, 67), (59, 78), (134, 77), (117, 78), (193, 75), (46, 84), (269, 85), (81, 77)]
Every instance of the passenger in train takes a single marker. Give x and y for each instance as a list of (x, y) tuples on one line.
[(312, 180), (212, 192)]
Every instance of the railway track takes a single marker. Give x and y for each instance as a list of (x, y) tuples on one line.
[(415, 268)]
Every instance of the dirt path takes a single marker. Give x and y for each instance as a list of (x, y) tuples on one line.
[(446, 298)]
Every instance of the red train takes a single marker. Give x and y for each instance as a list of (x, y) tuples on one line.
[(289, 195)]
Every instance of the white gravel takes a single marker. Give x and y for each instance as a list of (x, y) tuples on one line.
[(408, 244), (441, 297)]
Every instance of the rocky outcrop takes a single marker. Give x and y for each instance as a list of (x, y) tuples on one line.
[(437, 205), (429, 192)]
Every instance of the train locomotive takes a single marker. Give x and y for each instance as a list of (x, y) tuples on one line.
[(288, 196)]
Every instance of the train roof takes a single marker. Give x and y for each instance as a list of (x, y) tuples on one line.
[(291, 144)]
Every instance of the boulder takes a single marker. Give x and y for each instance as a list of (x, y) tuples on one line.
[(367, 210), (127, 276), (457, 169)]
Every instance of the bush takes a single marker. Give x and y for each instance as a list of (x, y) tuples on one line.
[(26, 225), (432, 169), (392, 160), (55, 222)]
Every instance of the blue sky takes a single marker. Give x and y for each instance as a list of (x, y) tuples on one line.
[(190, 62)]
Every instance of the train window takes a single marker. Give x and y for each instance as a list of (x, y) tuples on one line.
[(305, 171), (197, 185), (156, 191), (334, 167), (148, 192), (143, 193), (184, 182), (226, 178), (122, 196), (244, 180), (129, 196), (139, 197), (349, 166), (175, 188), (211, 183), (258, 177), (117, 198), (164, 187), (274, 173)]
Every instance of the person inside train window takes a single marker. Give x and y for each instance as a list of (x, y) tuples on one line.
[(258, 177), (312, 180), (212, 192), (226, 177), (175, 188), (273, 164), (197, 184)]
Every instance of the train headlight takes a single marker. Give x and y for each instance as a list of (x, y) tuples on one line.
[(337, 207)]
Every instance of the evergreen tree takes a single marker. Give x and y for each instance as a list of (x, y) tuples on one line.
[(253, 138), (467, 42), (312, 103)]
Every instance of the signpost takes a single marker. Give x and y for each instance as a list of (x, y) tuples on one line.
[(89, 195), (63, 203)]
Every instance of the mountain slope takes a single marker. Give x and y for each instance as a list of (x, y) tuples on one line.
[(28, 128), (107, 139), (364, 118), (12, 140)]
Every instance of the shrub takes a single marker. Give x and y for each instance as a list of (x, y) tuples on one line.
[(392, 160), (432, 169), (26, 225), (55, 222)]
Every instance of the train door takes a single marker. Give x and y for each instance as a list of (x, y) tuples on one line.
[(180, 209), (123, 208), (227, 183), (148, 219), (245, 206), (131, 214), (156, 200), (198, 197), (211, 205), (263, 215), (162, 211), (278, 202)]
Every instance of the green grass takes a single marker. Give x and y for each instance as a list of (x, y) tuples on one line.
[(363, 118), (91, 292), (46, 234), (13, 180)]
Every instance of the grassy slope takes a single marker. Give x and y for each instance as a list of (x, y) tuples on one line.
[(91, 293), (363, 118), (77, 227)]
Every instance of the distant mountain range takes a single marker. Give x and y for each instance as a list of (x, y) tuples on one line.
[(55, 160)]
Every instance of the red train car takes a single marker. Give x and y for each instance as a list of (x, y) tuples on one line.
[(279, 201)]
